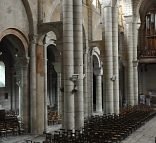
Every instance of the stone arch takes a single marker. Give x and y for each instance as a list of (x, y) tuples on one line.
[(142, 8), (56, 27), (96, 54), (97, 82), (12, 31)]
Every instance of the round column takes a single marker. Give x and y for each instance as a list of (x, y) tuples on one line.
[(130, 83), (59, 109), (115, 58), (45, 88), (78, 62), (86, 84), (33, 84), (25, 97), (108, 60), (90, 85), (40, 88), (98, 94), (68, 64), (135, 63)]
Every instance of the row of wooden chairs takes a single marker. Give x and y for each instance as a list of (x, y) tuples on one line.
[(108, 128), (53, 118), (9, 123), (11, 128)]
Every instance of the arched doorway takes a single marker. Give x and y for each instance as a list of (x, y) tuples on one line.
[(97, 81), (52, 81), (14, 93), (52, 78)]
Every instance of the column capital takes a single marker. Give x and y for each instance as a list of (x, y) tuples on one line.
[(33, 38), (128, 19)]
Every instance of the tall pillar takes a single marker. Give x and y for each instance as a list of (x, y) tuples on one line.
[(59, 109), (108, 59), (40, 88), (26, 107), (20, 101), (78, 62), (86, 84), (115, 58), (90, 84), (98, 94), (45, 88), (130, 83), (33, 84), (68, 64), (59, 46), (13, 96), (135, 63)]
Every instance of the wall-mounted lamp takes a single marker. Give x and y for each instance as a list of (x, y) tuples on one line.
[(135, 63), (113, 78), (74, 77), (0, 53), (75, 89)]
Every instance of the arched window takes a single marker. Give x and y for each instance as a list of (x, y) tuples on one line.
[(2, 74)]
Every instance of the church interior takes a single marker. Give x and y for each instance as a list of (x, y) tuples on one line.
[(77, 71)]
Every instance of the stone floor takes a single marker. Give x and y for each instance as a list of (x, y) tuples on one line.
[(145, 134), (23, 138)]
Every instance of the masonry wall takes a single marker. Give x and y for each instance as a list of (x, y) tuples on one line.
[(13, 15)]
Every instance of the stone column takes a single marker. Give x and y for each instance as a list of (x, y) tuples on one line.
[(86, 84), (13, 98), (26, 107), (59, 109), (50, 85), (20, 95), (130, 83), (90, 84), (135, 63), (78, 62), (108, 59), (45, 88), (33, 84), (98, 93), (59, 46), (40, 88), (68, 64), (115, 58)]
